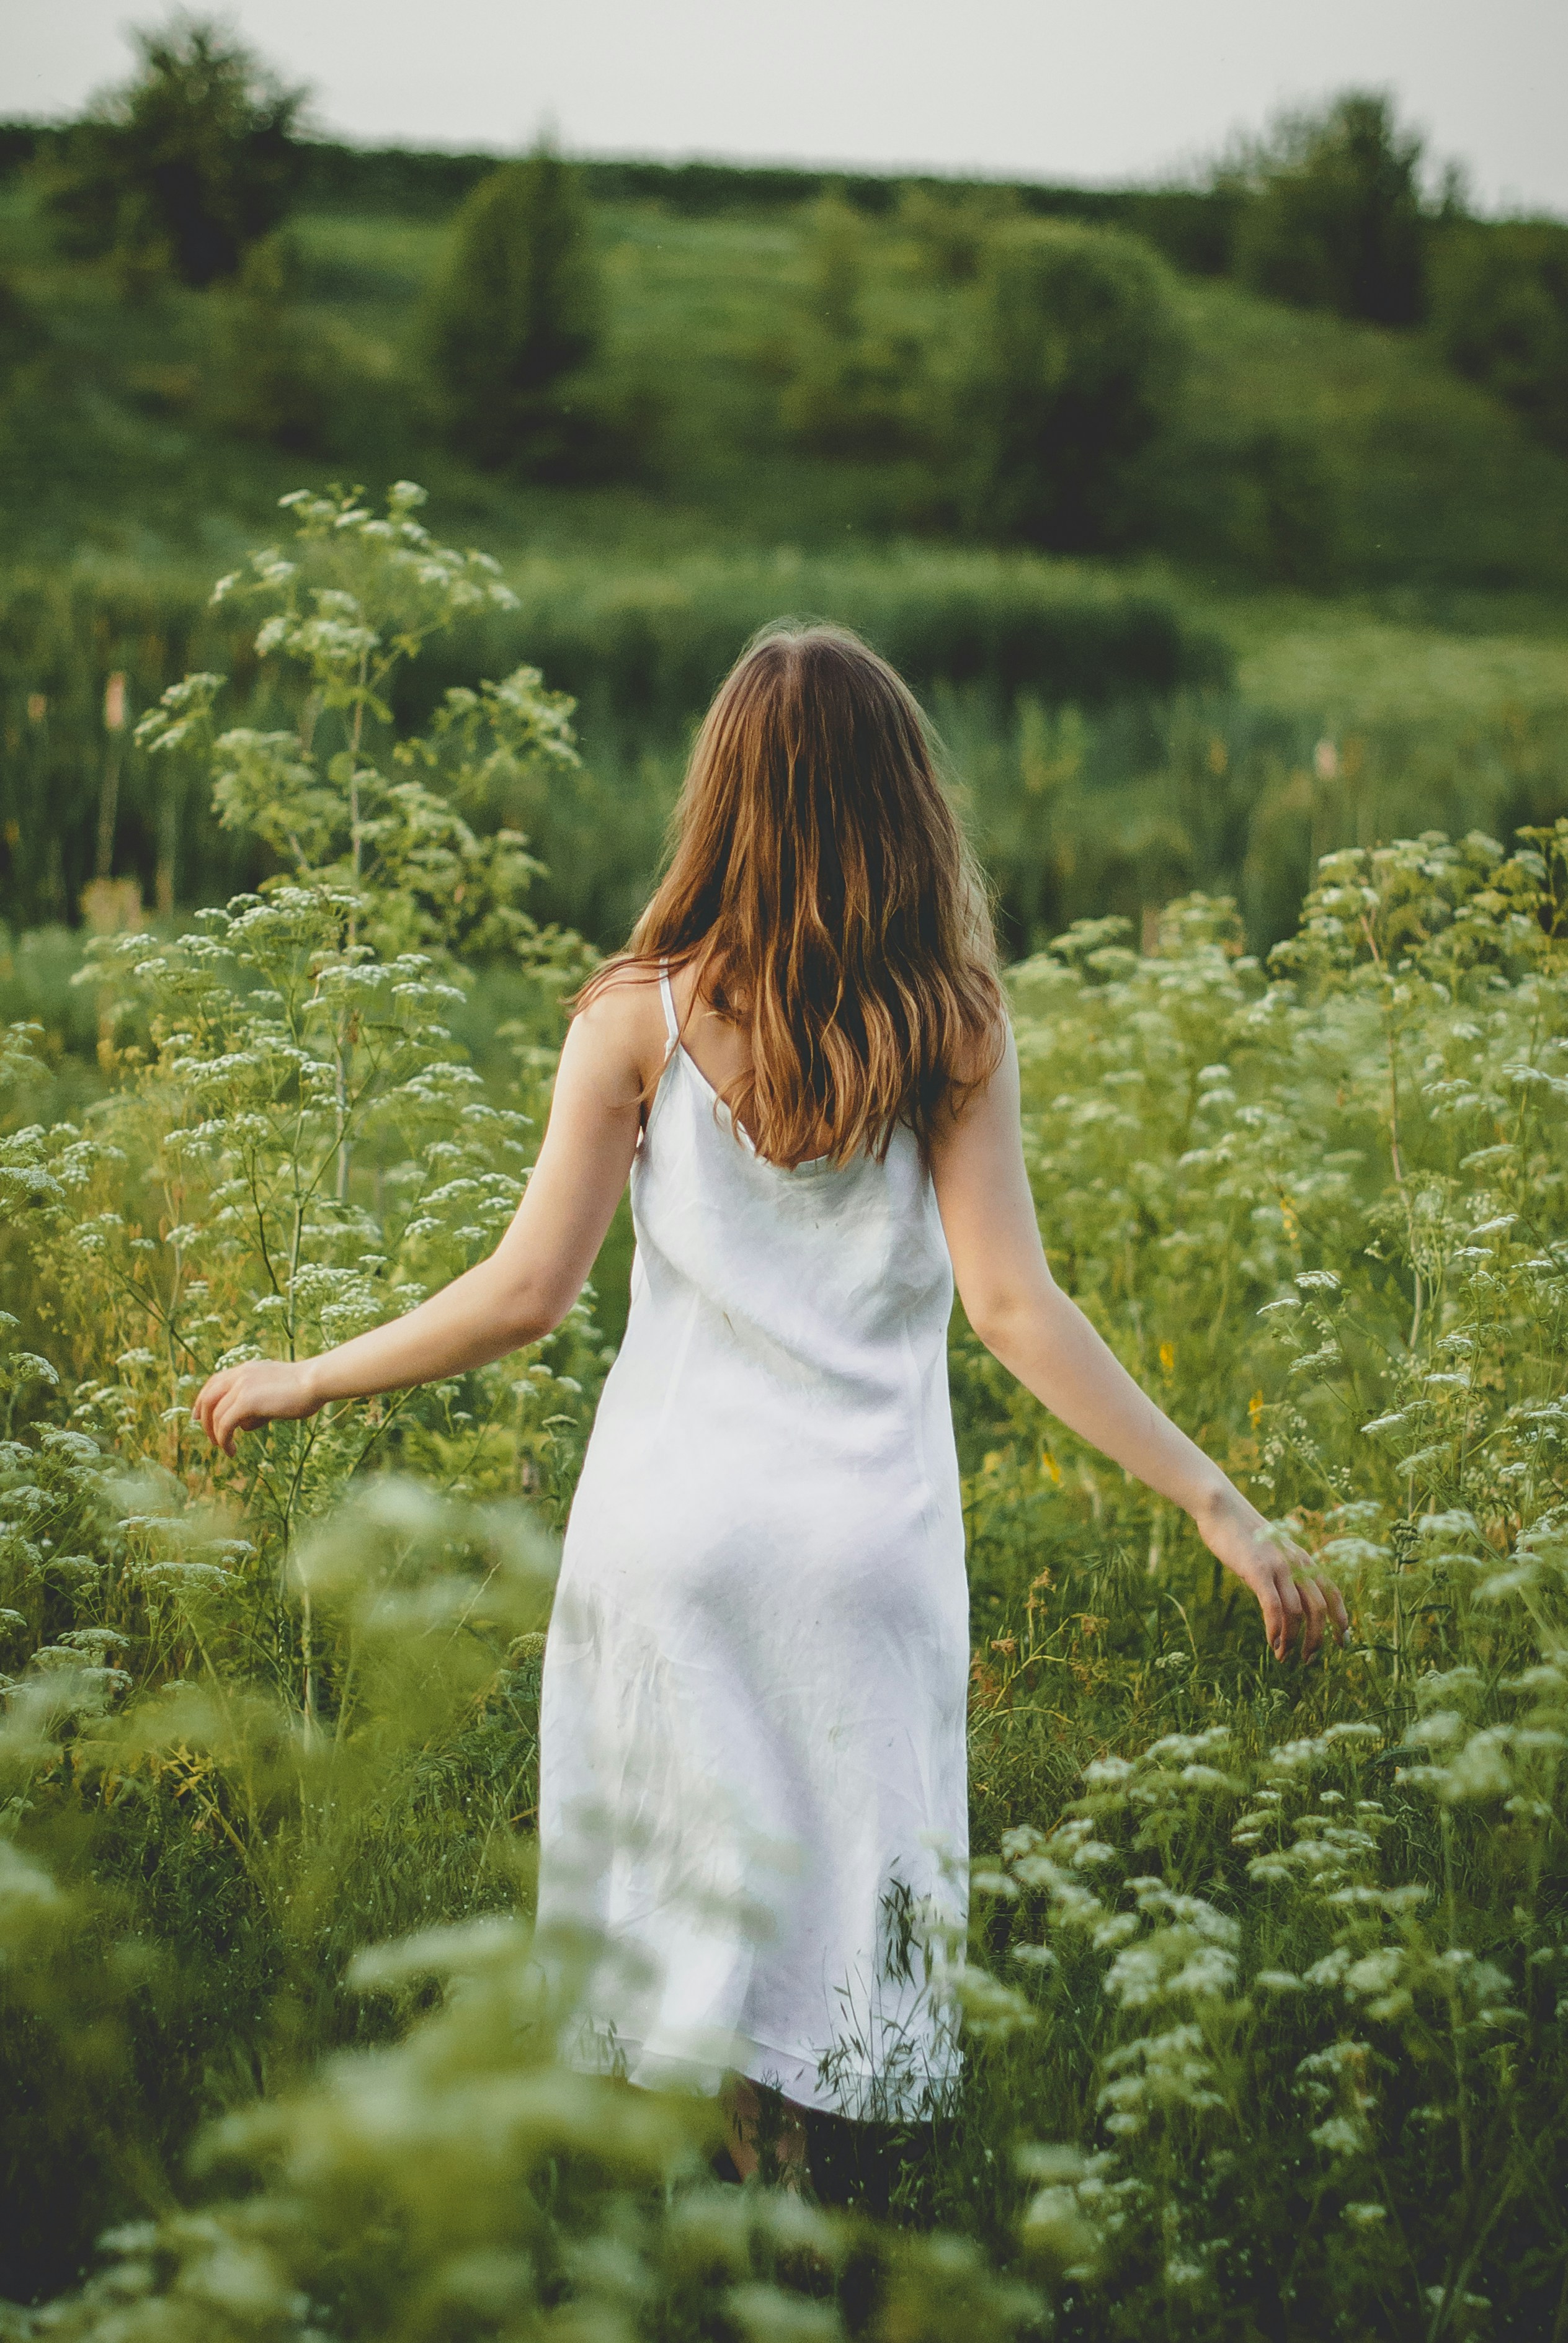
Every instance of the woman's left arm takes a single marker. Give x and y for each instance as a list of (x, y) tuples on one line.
[(1023, 1316), (524, 1289)]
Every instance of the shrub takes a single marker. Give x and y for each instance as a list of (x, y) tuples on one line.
[(1077, 359), (950, 228), (1499, 311), (1336, 219), (852, 391), (186, 166), (1269, 501), (288, 377), (24, 337), (514, 319), (644, 648)]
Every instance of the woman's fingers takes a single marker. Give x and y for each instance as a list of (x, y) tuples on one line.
[(1272, 1611), (1314, 1611), (1292, 1596), (220, 1408), (238, 1413), (1288, 1610), (206, 1401), (1337, 1612), (210, 1406), (1293, 1599), (1322, 1606), (243, 1399)]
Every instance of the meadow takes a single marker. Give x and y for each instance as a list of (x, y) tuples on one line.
[(1264, 2000)]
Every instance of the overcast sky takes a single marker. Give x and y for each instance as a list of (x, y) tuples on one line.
[(1070, 89)]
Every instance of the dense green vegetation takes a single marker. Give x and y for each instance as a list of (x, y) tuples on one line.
[(1327, 501), (1264, 1999), (184, 170), (1264, 1996)]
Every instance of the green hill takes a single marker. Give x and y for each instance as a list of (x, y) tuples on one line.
[(1420, 479), (1380, 546)]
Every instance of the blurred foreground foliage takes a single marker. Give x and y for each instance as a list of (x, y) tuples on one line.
[(1265, 1997)]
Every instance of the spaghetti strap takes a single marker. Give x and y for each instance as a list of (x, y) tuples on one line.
[(671, 1021)]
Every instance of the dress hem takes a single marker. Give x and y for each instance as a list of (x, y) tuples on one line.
[(795, 2076)]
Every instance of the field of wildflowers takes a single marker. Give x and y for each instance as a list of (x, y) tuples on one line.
[(1266, 1991)]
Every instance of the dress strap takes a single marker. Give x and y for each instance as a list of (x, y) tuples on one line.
[(671, 1021)]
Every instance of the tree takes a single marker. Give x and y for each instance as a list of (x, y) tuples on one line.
[(514, 316), (950, 228), (1499, 310), (24, 337), (852, 391), (1077, 357), (187, 166), (1335, 220)]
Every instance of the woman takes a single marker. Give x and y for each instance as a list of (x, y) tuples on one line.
[(753, 1805)]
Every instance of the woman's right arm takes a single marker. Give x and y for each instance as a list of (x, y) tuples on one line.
[(536, 1272), (1041, 1335)]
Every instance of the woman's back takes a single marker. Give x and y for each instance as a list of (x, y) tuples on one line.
[(835, 1280), (762, 1611)]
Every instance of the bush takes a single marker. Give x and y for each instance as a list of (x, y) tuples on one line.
[(1268, 502), (514, 319), (186, 166), (1499, 310), (24, 338), (656, 643), (852, 392), (1336, 220), (1077, 359), (950, 228), (287, 376)]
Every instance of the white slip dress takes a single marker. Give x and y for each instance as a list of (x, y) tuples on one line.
[(753, 1828)]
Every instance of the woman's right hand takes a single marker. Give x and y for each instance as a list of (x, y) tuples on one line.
[(263, 1391)]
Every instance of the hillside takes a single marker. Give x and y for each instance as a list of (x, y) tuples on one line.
[(1412, 477), (1341, 540)]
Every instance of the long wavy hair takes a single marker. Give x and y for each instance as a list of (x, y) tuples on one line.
[(819, 878)]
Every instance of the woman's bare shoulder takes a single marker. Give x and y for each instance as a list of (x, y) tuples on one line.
[(982, 1089), (622, 1022)]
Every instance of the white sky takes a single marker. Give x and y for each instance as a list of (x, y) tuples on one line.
[(1068, 89)]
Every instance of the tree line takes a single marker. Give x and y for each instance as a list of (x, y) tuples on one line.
[(200, 155), (191, 168)]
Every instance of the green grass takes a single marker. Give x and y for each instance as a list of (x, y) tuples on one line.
[(1346, 662), (1438, 485)]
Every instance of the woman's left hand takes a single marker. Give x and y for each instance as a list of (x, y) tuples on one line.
[(1295, 1600), (263, 1391)]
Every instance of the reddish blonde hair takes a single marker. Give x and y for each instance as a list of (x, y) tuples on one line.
[(819, 878)]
